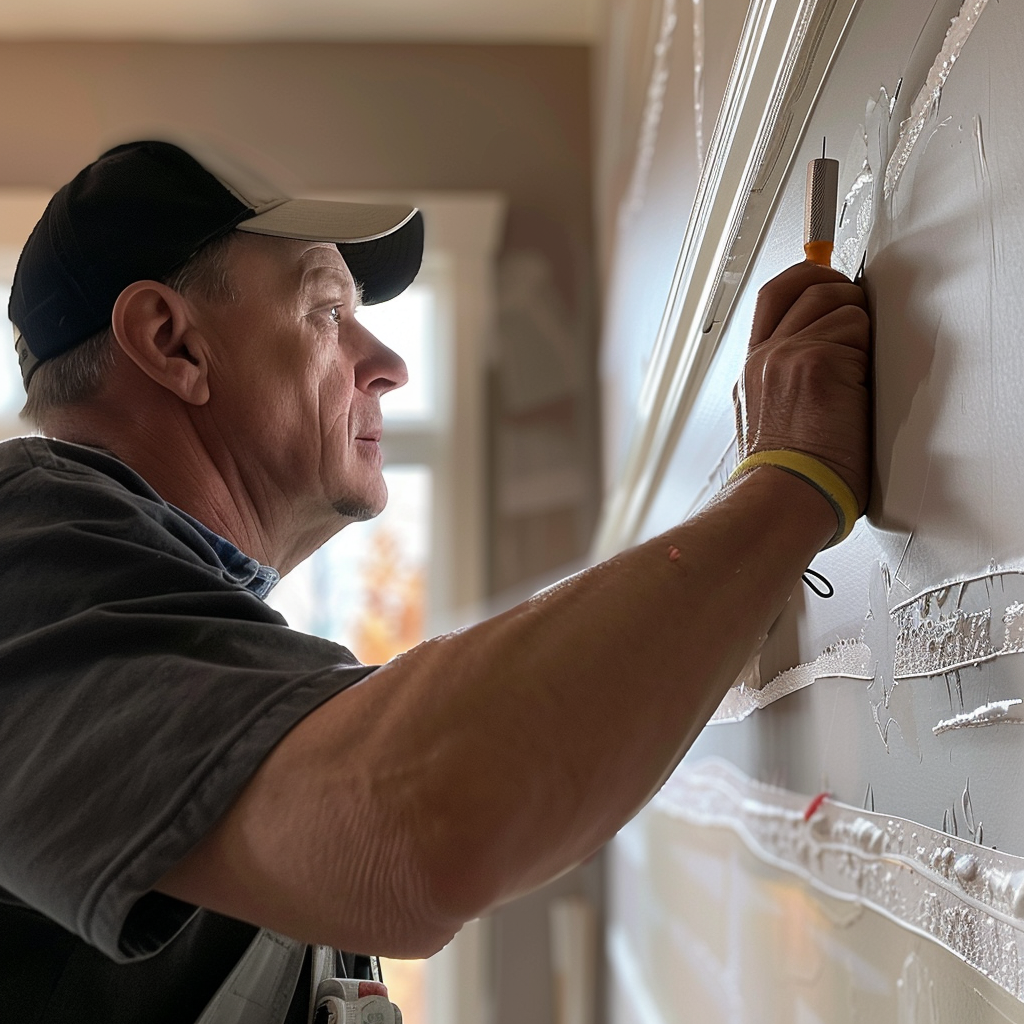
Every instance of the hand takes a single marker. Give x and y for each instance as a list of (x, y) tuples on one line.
[(805, 382)]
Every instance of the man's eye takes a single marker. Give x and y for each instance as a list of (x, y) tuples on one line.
[(335, 314)]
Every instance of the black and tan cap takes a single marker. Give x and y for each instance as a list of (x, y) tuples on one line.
[(143, 209)]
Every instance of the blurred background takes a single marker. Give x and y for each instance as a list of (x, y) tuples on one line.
[(525, 130)]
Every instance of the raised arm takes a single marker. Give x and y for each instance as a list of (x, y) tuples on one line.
[(481, 764)]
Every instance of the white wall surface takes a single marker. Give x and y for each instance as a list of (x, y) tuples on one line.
[(931, 586)]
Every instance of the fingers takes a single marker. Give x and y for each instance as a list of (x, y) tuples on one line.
[(828, 308), (799, 287), (805, 384)]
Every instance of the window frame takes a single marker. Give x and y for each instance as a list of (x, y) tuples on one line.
[(785, 51)]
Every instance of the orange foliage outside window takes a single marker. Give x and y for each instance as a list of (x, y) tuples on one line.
[(392, 616)]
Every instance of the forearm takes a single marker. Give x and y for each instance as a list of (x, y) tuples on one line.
[(544, 730), (481, 764)]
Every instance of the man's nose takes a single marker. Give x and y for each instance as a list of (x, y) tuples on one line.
[(381, 369)]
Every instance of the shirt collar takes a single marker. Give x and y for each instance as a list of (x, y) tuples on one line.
[(243, 569), (256, 578)]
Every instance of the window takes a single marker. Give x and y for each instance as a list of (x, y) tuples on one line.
[(20, 208), (408, 324)]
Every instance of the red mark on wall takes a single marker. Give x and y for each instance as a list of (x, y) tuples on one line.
[(815, 804)]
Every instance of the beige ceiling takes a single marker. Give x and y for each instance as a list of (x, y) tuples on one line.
[(521, 21)]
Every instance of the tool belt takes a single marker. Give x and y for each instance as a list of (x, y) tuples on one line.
[(260, 988)]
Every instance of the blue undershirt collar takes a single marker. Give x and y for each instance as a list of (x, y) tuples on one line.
[(256, 578)]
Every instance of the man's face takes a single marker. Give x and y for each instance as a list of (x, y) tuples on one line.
[(296, 380)]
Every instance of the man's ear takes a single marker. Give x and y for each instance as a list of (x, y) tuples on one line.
[(154, 327)]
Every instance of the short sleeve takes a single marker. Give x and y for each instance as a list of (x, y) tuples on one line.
[(140, 688)]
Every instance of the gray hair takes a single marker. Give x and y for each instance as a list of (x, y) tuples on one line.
[(76, 376)]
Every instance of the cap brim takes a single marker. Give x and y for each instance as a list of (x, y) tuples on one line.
[(386, 266), (382, 244), (323, 220)]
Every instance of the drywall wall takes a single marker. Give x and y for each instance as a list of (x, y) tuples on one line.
[(661, 80), (732, 931), (900, 694)]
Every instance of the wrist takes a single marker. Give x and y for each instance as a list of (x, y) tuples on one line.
[(791, 498), (817, 475)]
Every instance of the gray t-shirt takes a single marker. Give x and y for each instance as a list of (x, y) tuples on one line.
[(142, 682)]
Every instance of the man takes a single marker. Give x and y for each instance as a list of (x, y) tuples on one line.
[(167, 744)]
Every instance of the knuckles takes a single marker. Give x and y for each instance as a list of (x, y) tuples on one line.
[(780, 378), (806, 274), (829, 295), (835, 327)]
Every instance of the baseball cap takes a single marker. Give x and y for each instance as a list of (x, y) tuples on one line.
[(143, 209)]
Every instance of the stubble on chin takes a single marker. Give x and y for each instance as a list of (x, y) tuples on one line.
[(355, 510), (361, 504)]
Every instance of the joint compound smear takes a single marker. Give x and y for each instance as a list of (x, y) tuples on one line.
[(651, 120), (929, 647), (965, 896), (930, 635), (848, 659), (698, 80), (926, 103), (1010, 711), (930, 642), (856, 220), (856, 215)]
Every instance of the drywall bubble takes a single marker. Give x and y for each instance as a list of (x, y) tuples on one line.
[(966, 867), (1018, 901)]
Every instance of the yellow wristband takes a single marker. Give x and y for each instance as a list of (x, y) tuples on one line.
[(828, 484)]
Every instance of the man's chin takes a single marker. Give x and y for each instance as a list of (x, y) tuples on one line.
[(359, 509), (362, 503)]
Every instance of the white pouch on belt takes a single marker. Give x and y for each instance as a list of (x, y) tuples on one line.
[(350, 1001)]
